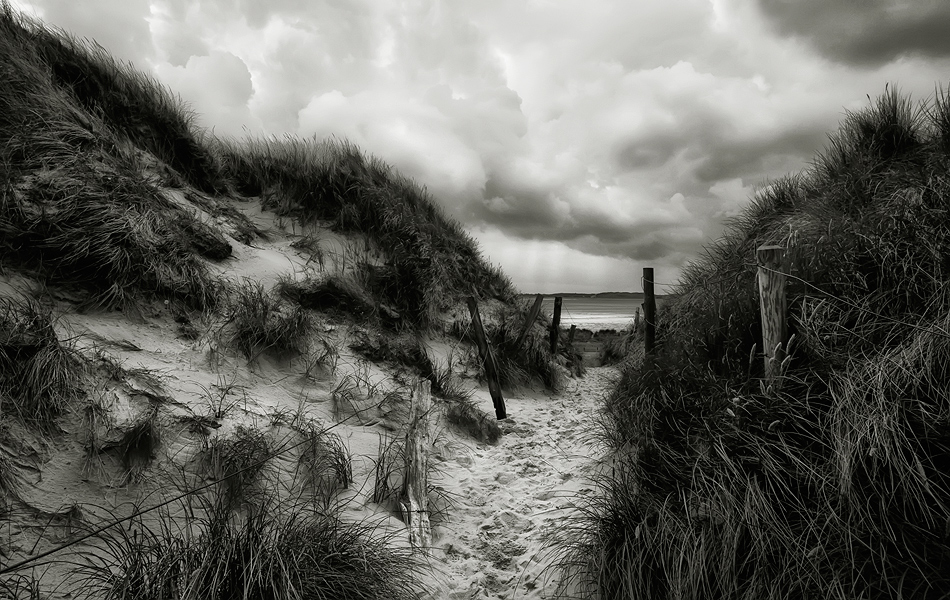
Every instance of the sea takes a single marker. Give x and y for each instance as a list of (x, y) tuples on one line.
[(596, 313)]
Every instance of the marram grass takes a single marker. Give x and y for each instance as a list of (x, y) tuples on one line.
[(838, 486)]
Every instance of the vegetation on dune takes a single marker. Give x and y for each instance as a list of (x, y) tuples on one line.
[(517, 365), (276, 551), (837, 485), (111, 195), (39, 374), (432, 263), (76, 203), (260, 323)]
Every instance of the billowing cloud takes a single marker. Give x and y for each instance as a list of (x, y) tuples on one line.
[(607, 135), (218, 87)]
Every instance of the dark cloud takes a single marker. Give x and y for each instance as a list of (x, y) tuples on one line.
[(866, 33), (526, 212)]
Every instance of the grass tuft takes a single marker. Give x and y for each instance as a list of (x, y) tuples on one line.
[(279, 551), (39, 374), (517, 366), (325, 463), (139, 443), (262, 323), (238, 462)]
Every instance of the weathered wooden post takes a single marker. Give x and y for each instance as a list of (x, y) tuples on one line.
[(532, 317), (570, 336), (773, 309), (556, 324), (488, 359), (649, 312), (416, 482)]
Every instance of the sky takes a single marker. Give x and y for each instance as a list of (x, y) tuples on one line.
[(578, 141)]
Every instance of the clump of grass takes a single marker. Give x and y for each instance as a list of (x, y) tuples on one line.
[(39, 374), (223, 399), (622, 345), (322, 362), (325, 463), (139, 443), (280, 551), (835, 484), (389, 471), (238, 462), (339, 293), (403, 350), (262, 323), (464, 414), (517, 365), (461, 410)]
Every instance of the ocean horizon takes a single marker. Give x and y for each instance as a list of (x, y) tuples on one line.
[(597, 313)]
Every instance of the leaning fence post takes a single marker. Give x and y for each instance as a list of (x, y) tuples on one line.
[(773, 309), (416, 483), (488, 359), (532, 317), (649, 312), (556, 324)]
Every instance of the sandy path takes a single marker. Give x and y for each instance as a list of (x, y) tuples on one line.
[(509, 497)]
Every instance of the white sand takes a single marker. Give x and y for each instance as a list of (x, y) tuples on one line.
[(508, 499)]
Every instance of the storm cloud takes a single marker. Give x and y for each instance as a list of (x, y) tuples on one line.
[(603, 136), (867, 33)]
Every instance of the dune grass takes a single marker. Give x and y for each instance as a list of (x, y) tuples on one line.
[(837, 486), (278, 551), (40, 375), (261, 322), (432, 262), (517, 365), (324, 462), (76, 204)]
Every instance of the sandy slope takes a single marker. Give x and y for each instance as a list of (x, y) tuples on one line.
[(503, 500)]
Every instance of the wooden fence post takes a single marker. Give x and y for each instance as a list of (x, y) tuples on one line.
[(532, 317), (556, 324), (570, 336), (649, 312), (416, 482), (488, 359), (773, 309)]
